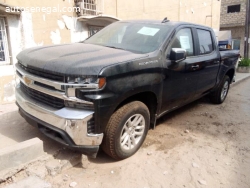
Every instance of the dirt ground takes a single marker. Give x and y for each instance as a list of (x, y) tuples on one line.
[(199, 145)]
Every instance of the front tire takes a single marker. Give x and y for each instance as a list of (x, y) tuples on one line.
[(220, 94), (126, 130)]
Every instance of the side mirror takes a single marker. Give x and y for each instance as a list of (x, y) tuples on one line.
[(178, 54)]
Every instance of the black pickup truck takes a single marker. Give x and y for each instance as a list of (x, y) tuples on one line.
[(108, 90)]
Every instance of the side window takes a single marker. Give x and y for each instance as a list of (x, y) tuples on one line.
[(205, 39), (183, 39)]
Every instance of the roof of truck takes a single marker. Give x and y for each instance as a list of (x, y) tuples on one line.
[(173, 23)]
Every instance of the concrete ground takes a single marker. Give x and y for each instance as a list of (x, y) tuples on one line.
[(15, 130), (241, 76)]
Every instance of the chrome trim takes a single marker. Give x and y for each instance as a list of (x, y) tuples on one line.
[(28, 79), (57, 85), (71, 120)]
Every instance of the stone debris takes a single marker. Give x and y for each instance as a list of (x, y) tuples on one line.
[(202, 182), (30, 182), (165, 172), (149, 153), (39, 171), (73, 184), (66, 177), (53, 167), (186, 131), (195, 165)]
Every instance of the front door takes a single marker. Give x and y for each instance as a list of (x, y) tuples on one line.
[(180, 83)]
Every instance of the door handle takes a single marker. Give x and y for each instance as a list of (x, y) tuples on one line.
[(216, 62), (195, 66)]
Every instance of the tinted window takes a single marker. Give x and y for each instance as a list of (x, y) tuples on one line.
[(205, 39), (183, 39)]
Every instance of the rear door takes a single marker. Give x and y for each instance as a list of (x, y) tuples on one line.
[(209, 59)]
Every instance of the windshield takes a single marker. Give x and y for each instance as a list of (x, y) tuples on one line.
[(135, 37)]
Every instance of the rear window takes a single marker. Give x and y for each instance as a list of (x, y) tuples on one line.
[(205, 40)]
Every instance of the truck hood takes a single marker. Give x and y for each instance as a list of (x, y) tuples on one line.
[(74, 59)]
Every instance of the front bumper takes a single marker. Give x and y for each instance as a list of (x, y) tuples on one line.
[(67, 126)]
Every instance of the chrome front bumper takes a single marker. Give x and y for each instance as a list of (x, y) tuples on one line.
[(70, 120)]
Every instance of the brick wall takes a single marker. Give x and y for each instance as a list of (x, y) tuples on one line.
[(232, 19)]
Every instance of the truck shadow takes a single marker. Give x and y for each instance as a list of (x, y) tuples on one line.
[(189, 107), (102, 158)]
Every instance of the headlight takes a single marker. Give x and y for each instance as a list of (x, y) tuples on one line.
[(82, 80), (94, 81)]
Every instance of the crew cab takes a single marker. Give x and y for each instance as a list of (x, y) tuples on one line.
[(110, 89)]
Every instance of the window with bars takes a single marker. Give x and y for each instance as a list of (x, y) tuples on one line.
[(94, 29), (233, 8), (4, 55), (89, 7)]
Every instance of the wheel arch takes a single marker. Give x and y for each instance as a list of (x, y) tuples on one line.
[(230, 74), (144, 97)]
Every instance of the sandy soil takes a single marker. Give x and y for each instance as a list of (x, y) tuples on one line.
[(200, 145)]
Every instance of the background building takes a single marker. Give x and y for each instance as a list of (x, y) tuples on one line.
[(58, 21), (205, 12), (233, 14)]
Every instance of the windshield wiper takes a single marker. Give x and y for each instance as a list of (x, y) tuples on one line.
[(115, 47)]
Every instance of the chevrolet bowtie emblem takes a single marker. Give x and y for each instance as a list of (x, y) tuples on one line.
[(27, 80)]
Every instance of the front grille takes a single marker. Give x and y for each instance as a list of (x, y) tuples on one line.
[(41, 97), (43, 74)]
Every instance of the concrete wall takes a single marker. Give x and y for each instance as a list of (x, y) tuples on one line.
[(196, 11), (47, 28)]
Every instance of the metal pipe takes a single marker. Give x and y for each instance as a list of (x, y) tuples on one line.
[(116, 9), (246, 30)]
